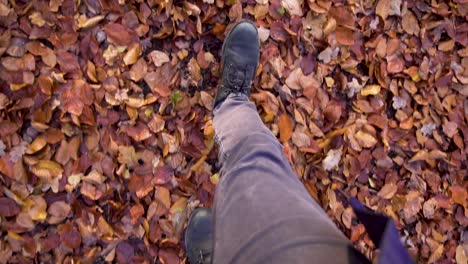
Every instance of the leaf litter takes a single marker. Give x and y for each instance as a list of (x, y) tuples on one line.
[(106, 119)]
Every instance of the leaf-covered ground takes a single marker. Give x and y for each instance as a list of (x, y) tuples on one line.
[(106, 134)]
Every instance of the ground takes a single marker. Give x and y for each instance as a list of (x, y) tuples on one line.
[(106, 106)]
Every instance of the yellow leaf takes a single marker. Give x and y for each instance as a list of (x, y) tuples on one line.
[(36, 145), (436, 254), (370, 90), (285, 127), (132, 54), (214, 179), (47, 169), (15, 236)]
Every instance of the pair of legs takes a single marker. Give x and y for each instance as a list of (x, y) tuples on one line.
[(262, 212)]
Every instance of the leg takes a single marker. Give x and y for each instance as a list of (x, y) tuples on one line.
[(263, 214)]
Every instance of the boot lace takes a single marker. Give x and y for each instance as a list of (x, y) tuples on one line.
[(239, 79)]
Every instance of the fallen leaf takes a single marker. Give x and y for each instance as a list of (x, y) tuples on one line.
[(38, 144), (365, 140), (388, 191), (132, 54), (263, 34), (84, 22), (158, 57), (395, 65), (285, 127), (387, 8), (136, 212), (47, 169), (69, 236), (8, 207), (370, 90), (461, 255), (58, 211), (459, 195), (332, 159), (293, 7), (412, 205), (410, 24), (117, 34)]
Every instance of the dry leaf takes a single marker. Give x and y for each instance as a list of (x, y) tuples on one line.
[(293, 7), (285, 127), (158, 57), (132, 54), (410, 24), (365, 140), (388, 191), (47, 169), (370, 90), (332, 160), (387, 8)]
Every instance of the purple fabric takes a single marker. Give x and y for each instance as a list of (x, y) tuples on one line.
[(383, 233), (262, 212)]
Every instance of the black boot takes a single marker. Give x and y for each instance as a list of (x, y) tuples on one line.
[(240, 55), (199, 236)]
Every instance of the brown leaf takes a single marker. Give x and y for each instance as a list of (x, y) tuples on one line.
[(285, 127), (138, 70), (38, 144), (90, 191), (343, 16), (8, 207), (395, 65), (160, 80), (47, 169), (118, 34), (69, 236), (156, 124), (344, 36), (387, 8), (132, 54), (67, 61), (429, 208), (388, 191), (277, 31), (38, 207), (84, 22), (410, 24), (140, 132), (293, 7), (412, 205), (25, 63), (450, 128), (163, 175), (459, 195), (136, 212), (158, 57), (58, 211), (365, 140), (24, 220)]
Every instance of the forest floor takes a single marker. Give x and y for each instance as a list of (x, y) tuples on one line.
[(106, 119)]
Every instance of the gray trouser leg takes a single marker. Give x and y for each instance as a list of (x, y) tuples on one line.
[(263, 213)]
